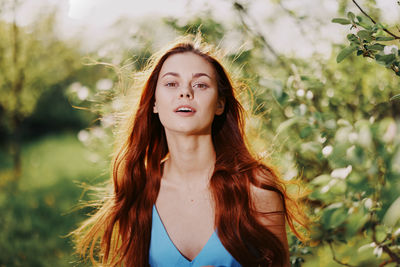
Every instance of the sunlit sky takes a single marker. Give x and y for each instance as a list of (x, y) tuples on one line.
[(91, 20)]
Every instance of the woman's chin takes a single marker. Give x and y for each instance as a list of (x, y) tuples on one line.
[(189, 130)]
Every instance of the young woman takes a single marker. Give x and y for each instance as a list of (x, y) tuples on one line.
[(186, 189)]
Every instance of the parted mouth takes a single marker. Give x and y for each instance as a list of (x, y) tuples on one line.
[(185, 108)]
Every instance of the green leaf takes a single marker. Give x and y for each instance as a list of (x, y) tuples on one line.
[(392, 215), (379, 26), (341, 21), (364, 34), (381, 233), (384, 38), (356, 221), (310, 150), (339, 188), (345, 53), (364, 22), (386, 60), (338, 217), (334, 215), (376, 47), (374, 28), (353, 38), (396, 97), (321, 180), (305, 132), (351, 16), (312, 83)]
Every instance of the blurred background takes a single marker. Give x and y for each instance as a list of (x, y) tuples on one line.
[(323, 78)]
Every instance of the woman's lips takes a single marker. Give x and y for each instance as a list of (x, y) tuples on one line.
[(185, 110)]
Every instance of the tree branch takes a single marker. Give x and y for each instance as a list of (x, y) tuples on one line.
[(241, 10), (368, 16), (334, 256), (299, 22), (385, 263), (393, 256)]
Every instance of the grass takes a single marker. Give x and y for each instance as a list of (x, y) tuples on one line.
[(45, 160), (36, 219)]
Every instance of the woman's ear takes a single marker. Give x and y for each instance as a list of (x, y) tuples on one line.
[(155, 108), (220, 106)]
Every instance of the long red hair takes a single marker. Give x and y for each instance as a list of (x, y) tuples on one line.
[(120, 230)]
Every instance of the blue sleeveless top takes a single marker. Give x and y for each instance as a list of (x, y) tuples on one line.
[(163, 252)]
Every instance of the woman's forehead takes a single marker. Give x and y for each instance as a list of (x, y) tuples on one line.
[(187, 63)]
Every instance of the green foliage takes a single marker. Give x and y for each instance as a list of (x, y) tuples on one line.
[(345, 53), (368, 42), (341, 21), (380, 219), (395, 97), (32, 61), (333, 124), (329, 124), (35, 221), (343, 136), (210, 29)]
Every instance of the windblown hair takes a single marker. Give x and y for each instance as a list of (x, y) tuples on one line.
[(119, 232)]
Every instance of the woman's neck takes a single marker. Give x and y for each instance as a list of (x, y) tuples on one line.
[(191, 159)]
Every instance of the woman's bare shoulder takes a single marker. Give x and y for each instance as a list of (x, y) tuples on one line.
[(265, 200)]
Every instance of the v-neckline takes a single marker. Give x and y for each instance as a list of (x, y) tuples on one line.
[(173, 244)]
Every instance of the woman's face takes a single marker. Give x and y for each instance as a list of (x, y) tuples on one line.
[(186, 97)]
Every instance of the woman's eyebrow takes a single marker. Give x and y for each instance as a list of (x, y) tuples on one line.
[(194, 75), (199, 74), (171, 73)]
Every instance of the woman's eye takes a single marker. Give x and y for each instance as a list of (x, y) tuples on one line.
[(171, 84), (200, 85)]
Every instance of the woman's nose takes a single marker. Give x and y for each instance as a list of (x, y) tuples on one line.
[(186, 92), (187, 95)]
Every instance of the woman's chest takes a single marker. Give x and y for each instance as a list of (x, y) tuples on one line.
[(187, 218), (164, 253)]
